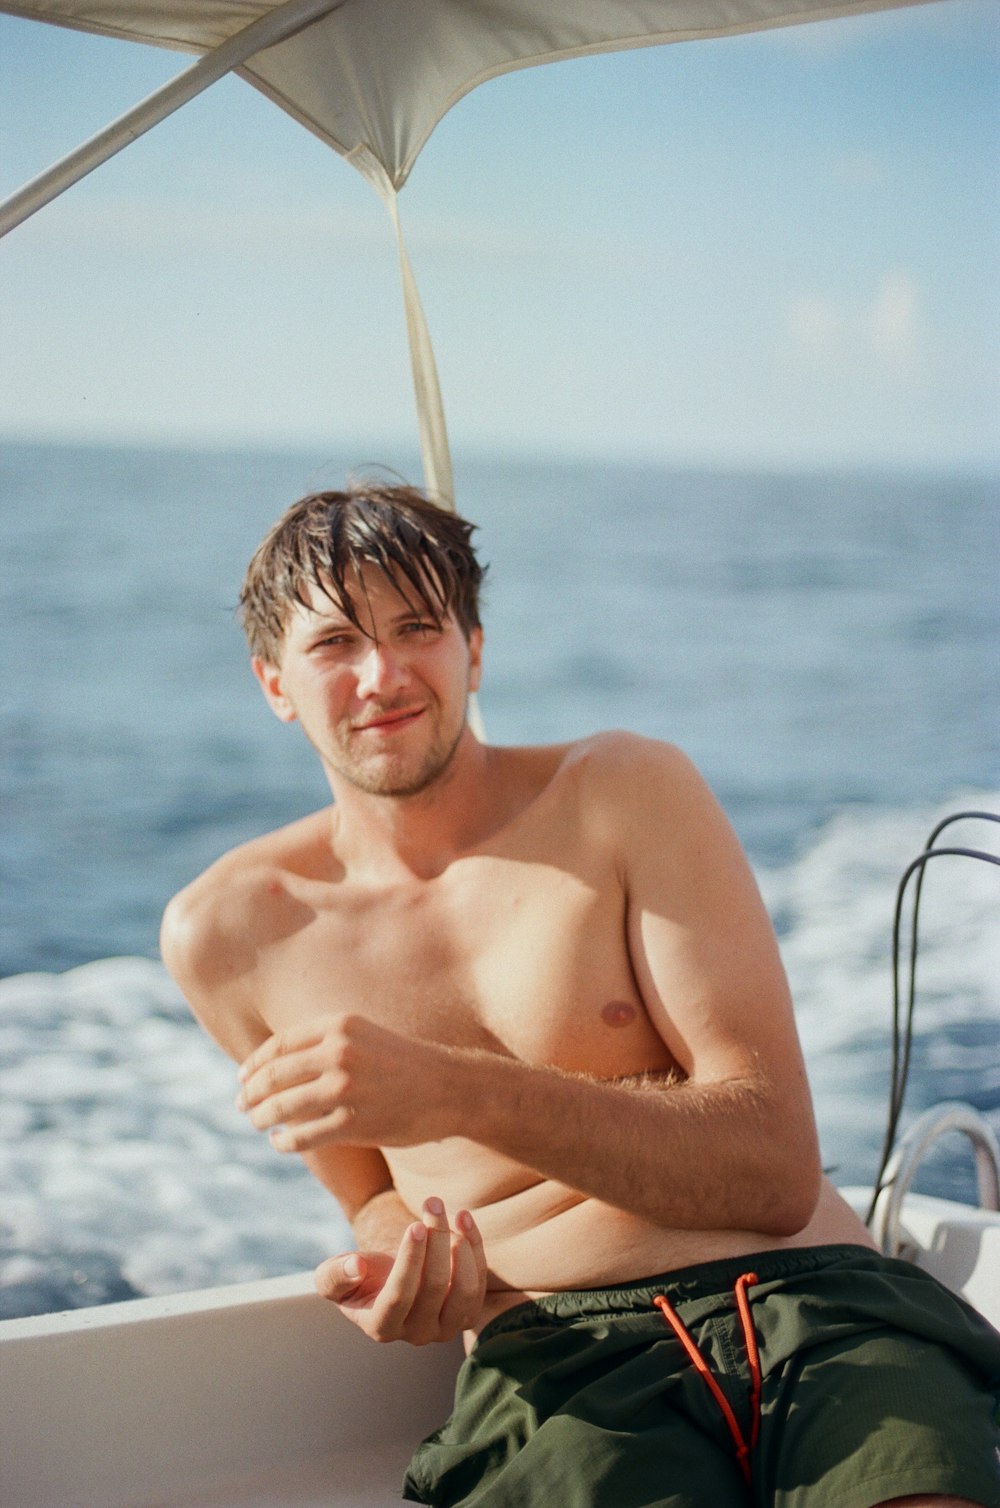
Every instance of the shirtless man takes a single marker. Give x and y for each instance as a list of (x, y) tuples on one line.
[(521, 1011)]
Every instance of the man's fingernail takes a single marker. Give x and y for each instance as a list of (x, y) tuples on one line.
[(418, 1233), (352, 1268), (433, 1206)]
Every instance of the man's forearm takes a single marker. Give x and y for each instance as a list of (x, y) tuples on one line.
[(696, 1156), (733, 1152), (379, 1224)]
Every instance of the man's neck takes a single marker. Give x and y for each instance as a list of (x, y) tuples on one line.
[(418, 836)]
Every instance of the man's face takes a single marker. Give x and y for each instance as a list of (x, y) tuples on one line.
[(384, 707)]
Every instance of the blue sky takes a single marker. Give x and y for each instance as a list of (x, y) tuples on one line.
[(776, 250)]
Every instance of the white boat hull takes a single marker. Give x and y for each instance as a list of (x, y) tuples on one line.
[(262, 1396), (258, 1394)]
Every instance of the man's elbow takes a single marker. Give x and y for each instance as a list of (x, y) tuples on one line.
[(790, 1216), (795, 1195)]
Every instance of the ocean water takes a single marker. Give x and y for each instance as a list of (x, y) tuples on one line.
[(827, 648)]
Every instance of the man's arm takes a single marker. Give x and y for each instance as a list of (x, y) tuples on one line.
[(206, 942), (415, 1280), (731, 1147)]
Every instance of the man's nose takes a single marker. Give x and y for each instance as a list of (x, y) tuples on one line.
[(380, 670)]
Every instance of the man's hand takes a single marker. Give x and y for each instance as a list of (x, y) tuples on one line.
[(431, 1291), (344, 1080)]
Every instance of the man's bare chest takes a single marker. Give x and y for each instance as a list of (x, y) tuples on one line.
[(516, 956)]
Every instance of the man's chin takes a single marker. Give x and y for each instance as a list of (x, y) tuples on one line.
[(393, 786), (394, 779)]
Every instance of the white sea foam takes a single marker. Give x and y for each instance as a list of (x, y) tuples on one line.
[(125, 1163), (835, 907), (127, 1168)]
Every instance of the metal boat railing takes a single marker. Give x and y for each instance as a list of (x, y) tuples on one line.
[(940, 1120)]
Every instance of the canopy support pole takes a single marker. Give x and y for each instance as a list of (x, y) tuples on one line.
[(276, 26)]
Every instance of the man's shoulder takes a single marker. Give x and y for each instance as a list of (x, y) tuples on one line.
[(643, 798), (606, 750), (226, 908), (607, 788), (620, 765)]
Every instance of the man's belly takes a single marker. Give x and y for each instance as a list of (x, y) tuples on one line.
[(541, 1236)]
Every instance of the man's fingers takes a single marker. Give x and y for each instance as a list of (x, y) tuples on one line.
[(437, 1262), (297, 1101), (425, 1312), (468, 1277), (307, 1136), (301, 1067), (338, 1277), (429, 1291), (278, 1045), (473, 1236), (392, 1306)]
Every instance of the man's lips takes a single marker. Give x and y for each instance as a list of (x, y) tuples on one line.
[(391, 718)]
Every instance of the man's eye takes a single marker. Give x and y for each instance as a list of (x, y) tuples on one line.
[(421, 627)]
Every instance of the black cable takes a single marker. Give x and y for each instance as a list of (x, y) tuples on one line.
[(901, 1065), (902, 1041)]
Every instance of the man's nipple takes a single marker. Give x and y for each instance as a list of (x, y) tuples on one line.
[(618, 1013)]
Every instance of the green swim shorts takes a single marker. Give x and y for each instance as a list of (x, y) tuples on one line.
[(850, 1380)]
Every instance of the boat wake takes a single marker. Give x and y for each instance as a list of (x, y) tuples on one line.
[(127, 1170)]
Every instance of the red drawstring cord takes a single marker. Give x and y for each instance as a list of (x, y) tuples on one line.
[(753, 1357), (753, 1354)]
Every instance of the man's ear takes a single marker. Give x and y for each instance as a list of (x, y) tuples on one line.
[(475, 658), (269, 677)]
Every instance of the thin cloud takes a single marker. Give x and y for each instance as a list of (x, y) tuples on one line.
[(886, 328), (893, 320)]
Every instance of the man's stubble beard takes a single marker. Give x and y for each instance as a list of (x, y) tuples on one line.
[(435, 770)]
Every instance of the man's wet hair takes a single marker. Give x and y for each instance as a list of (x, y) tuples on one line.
[(327, 538)]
